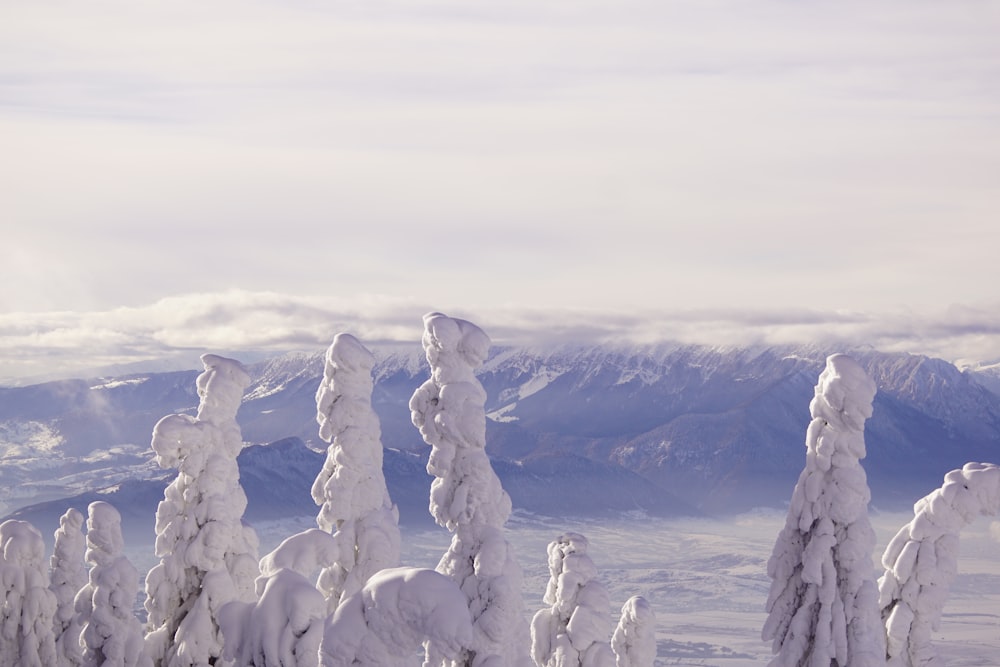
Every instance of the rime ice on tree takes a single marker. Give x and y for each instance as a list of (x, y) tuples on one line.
[(28, 606), (573, 631), (68, 576), (399, 609), (350, 489), (207, 556), (634, 641), (111, 633), (285, 625), (466, 496), (921, 561), (823, 604)]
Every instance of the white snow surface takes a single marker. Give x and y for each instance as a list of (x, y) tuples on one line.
[(466, 495), (207, 556), (823, 603), (350, 489)]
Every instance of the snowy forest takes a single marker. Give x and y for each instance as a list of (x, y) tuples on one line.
[(338, 594)]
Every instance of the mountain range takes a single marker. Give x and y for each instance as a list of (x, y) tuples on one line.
[(571, 430)]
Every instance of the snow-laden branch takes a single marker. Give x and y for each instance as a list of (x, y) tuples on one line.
[(634, 641), (28, 606), (921, 561)]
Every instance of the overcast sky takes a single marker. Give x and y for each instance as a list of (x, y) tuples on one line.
[(264, 174)]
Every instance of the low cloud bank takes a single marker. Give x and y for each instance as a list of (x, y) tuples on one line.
[(174, 331)]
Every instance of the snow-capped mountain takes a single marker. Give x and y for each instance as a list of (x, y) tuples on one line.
[(575, 430)]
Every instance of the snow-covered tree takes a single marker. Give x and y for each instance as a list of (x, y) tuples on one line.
[(572, 632), (284, 627), (112, 635), (921, 562), (67, 576), (29, 607), (350, 489), (823, 604), (385, 623), (634, 641), (207, 556), (466, 495)]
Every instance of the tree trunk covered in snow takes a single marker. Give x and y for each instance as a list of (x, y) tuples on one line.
[(823, 605), (921, 562), (207, 556), (466, 495)]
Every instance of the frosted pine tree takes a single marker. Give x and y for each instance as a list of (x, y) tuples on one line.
[(68, 575), (28, 606), (823, 605), (112, 635), (921, 562), (284, 627), (466, 495), (350, 489), (398, 611), (207, 556), (573, 631), (634, 641)]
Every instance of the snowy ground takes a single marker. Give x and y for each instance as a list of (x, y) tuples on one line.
[(707, 579)]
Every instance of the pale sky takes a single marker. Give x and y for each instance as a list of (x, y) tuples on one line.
[(263, 174)]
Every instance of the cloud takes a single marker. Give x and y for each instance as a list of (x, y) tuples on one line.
[(183, 327)]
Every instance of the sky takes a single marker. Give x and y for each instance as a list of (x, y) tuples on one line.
[(181, 177)]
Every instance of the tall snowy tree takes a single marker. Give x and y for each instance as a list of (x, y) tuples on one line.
[(921, 562), (634, 641), (572, 632), (285, 626), (68, 576), (823, 604), (466, 495), (350, 489), (207, 556), (29, 607), (112, 635)]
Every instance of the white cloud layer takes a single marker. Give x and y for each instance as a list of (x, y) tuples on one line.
[(180, 329)]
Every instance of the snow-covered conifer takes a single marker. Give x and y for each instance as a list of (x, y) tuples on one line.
[(634, 641), (921, 562), (68, 576), (207, 556), (572, 632), (466, 495), (29, 607), (284, 627), (385, 623), (112, 635), (823, 604), (350, 489)]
